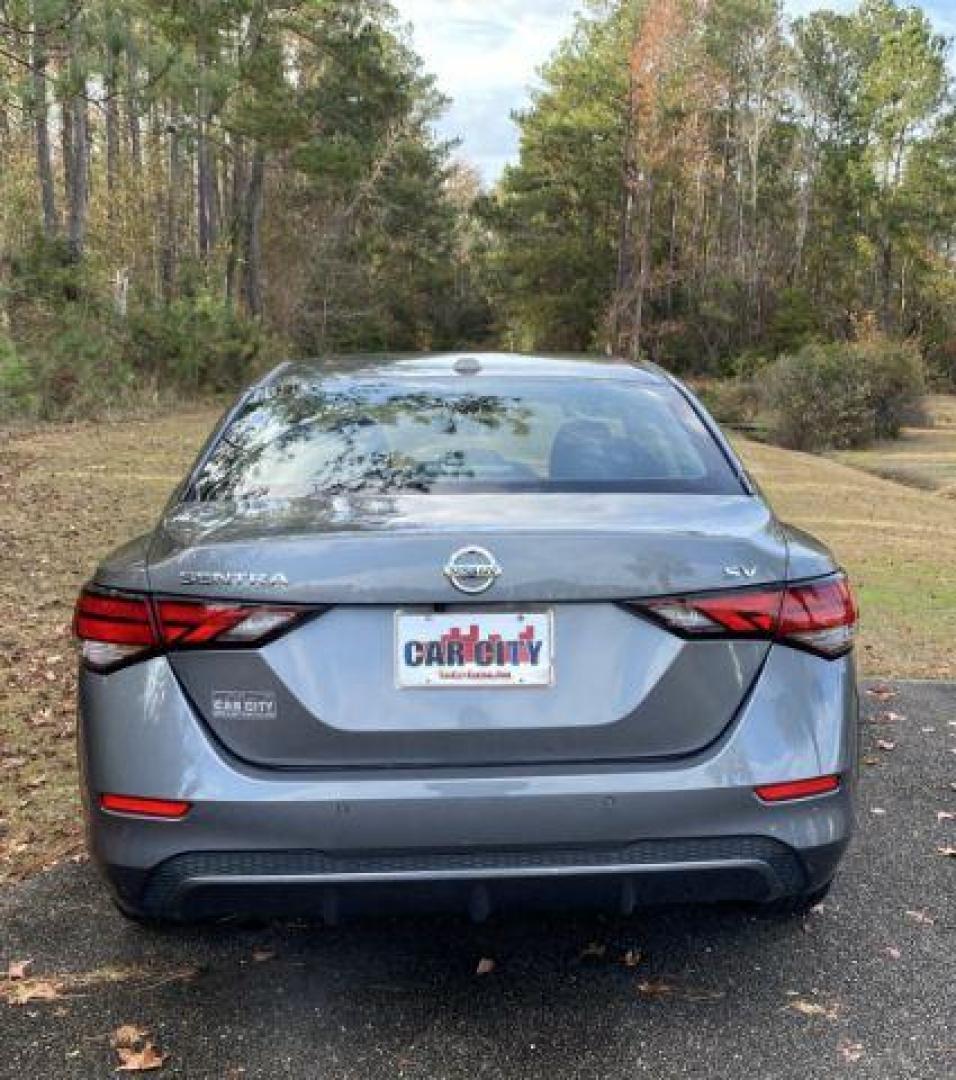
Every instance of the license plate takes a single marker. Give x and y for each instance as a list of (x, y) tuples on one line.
[(493, 649)]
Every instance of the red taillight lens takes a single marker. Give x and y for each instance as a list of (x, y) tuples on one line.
[(113, 628), (200, 622), (817, 615), (797, 789), (116, 628), (822, 615), (744, 614), (134, 804)]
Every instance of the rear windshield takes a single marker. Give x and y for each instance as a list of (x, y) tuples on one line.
[(341, 436)]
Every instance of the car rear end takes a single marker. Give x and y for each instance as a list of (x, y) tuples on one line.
[(508, 673)]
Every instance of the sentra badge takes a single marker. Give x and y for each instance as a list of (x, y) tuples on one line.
[(233, 579)]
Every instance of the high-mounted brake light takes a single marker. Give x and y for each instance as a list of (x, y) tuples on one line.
[(817, 615), (117, 628)]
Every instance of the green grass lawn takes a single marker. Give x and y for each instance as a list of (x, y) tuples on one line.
[(70, 493)]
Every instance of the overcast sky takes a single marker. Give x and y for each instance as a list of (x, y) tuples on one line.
[(485, 53)]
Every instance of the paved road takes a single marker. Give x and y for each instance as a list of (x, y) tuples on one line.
[(861, 988)]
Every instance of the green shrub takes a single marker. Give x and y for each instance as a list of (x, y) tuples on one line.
[(795, 321), (194, 345), (833, 397), (73, 371), (897, 377), (17, 393), (732, 401)]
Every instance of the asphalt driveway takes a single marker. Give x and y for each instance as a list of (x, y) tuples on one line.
[(862, 987)]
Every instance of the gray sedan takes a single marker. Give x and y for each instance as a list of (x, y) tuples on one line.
[(472, 631)]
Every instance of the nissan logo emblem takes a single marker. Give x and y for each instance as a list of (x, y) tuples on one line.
[(472, 570)]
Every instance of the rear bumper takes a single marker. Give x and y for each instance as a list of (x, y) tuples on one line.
[(264, 841), (209, 884)]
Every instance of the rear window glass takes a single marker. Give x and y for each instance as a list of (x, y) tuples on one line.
[(344, 435)]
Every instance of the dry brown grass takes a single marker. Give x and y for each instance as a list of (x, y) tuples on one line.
[(898, 543), (70, 493), (923, 458)]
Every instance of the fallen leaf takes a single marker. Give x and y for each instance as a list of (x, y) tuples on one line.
[(23, 991), (922, 916), (885, 744), (850, 1051), (129, 1036), (871, 761), (19, 969), (813, 1008), (702, 995), (632, 958), (593, 951), (485, 966), (655, 988), (145, 1060), (882, 693)]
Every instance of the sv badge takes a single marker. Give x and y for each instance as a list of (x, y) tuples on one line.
[(740, 571)]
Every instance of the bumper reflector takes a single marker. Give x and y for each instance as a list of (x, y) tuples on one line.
[(155, 808), (797, 789)]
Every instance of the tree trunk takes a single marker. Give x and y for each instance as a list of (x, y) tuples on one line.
[(79, 173), (644, 268), (41, 126), (66, 142), (207, 218), (112, 134), (672, 253), (234, 216), (170, 253), (887, 311), (132, 117), (252, 253)]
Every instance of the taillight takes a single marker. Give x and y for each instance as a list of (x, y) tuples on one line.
[(821, 615), (817, 615), (202, 622), (113, 628), (117, 628)]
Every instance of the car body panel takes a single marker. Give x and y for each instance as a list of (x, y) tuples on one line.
[(335, 702), (619, 547), (147, 739)]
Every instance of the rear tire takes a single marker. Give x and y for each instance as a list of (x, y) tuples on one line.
[(793, 907), (139, 918)]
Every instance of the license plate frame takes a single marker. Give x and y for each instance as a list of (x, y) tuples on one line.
[(519, 672)]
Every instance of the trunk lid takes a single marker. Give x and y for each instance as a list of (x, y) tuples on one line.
[(393, 550), (325, 694)]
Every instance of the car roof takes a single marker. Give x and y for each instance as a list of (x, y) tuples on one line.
[(371, 365)]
